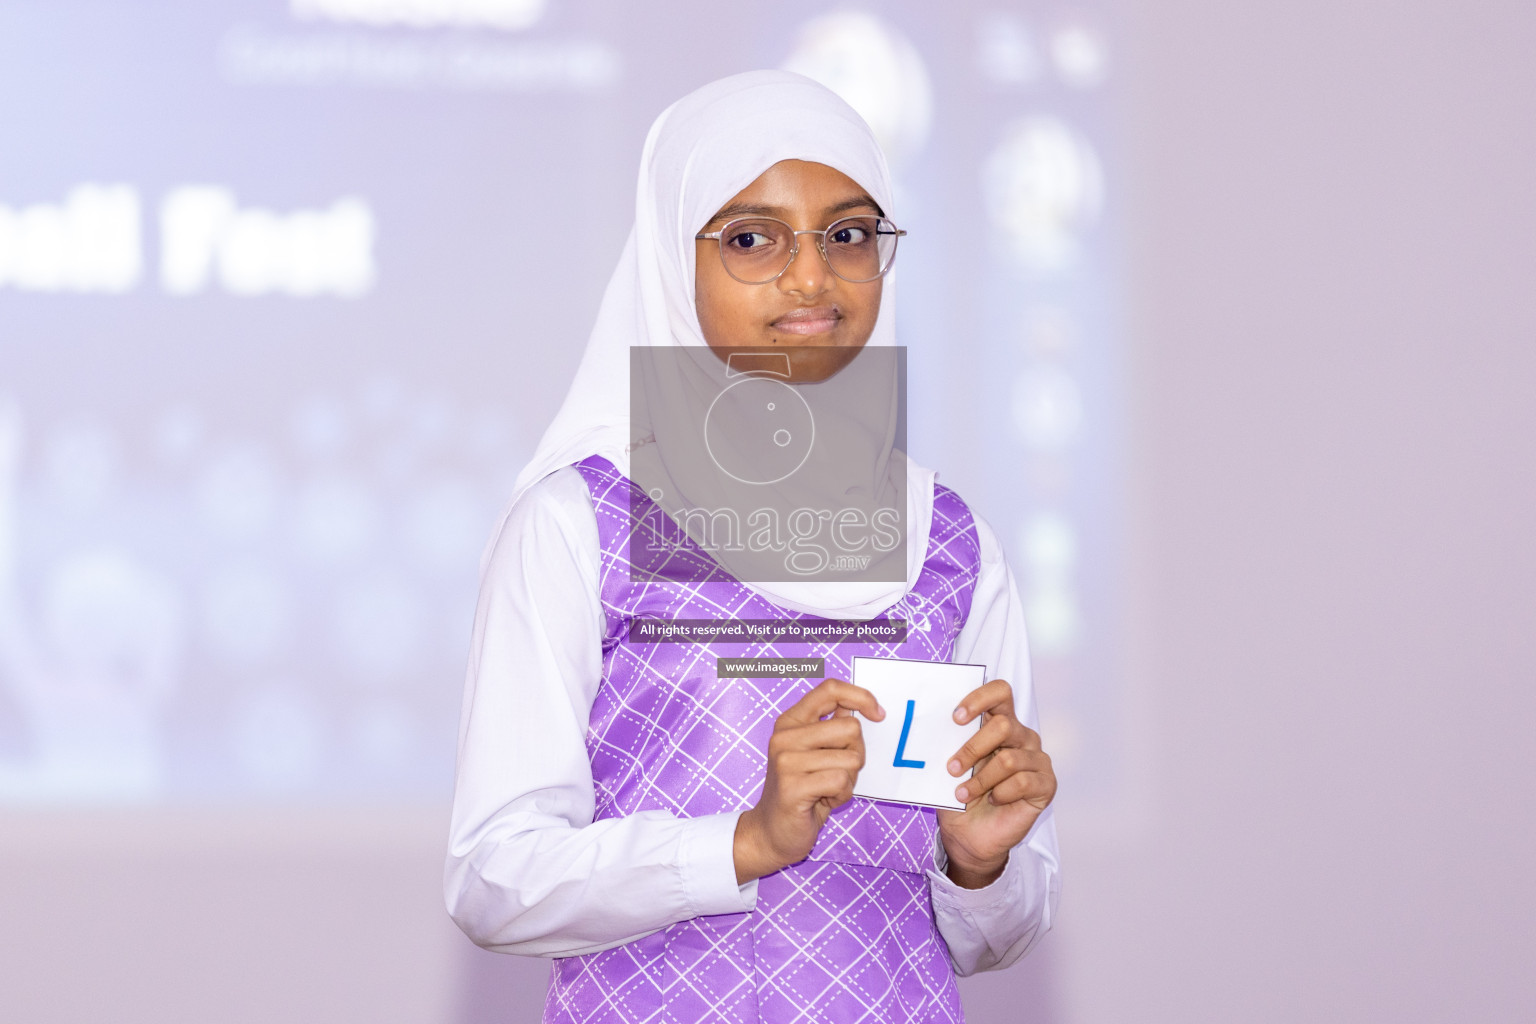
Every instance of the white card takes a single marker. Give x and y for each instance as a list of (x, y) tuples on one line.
[(906, 757)]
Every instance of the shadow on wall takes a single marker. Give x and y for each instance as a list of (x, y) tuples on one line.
[(495, 988)]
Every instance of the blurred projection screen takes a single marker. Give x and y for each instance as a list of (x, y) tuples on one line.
[(289, 289)]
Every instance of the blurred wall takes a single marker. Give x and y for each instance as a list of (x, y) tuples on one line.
[(1335, 570), (1333, 580)]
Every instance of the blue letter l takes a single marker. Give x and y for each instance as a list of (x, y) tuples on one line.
[(901, 748)]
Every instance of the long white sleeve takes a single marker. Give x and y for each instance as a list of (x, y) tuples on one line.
[(991, 928), (528, 871)]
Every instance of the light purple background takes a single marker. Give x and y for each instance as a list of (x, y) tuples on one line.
[(1330, 573)]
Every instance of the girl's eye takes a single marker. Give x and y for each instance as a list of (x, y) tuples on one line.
[(749, 240), (849, 234)]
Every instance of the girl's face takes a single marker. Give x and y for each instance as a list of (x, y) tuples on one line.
[(815, 317)]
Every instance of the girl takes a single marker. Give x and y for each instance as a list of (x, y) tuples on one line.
[(689, 844)]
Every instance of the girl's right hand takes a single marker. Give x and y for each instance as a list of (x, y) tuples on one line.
[(814, 757)]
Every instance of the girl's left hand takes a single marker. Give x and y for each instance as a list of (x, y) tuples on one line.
[(1013, 784)]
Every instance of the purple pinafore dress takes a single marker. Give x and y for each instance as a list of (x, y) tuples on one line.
[(847, 934)]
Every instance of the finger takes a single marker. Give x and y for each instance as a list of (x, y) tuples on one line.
[(994, 734), (830, 695), (1028, 738), (1037, 788), (834, 802), (1004, 764), (834, 785), (842, 712), (809, 762), (995, 698), (823, 733)]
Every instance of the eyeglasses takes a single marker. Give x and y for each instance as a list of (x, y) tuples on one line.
[(756, 250)]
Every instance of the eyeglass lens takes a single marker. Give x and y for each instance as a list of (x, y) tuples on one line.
[(756, 250)]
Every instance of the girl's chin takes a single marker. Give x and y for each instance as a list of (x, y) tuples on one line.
[(809, 367)]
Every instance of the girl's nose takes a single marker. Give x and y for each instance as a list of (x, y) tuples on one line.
[(807, 274)]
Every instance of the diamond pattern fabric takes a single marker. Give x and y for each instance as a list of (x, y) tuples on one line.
[(845, 935)]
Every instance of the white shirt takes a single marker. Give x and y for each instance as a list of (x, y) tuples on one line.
[(530, 872)]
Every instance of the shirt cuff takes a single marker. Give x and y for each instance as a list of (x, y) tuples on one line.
[(707, 860), (1003, 890)]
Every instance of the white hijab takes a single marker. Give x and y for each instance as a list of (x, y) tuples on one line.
[(700, 152)]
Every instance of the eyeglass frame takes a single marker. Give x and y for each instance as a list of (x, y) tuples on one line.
[(821, 245)]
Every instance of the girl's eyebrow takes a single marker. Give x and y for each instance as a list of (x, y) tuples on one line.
[(735, 210), (855, 203), (746, 210)]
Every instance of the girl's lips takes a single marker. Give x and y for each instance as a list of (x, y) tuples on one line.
[(809, 320)]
